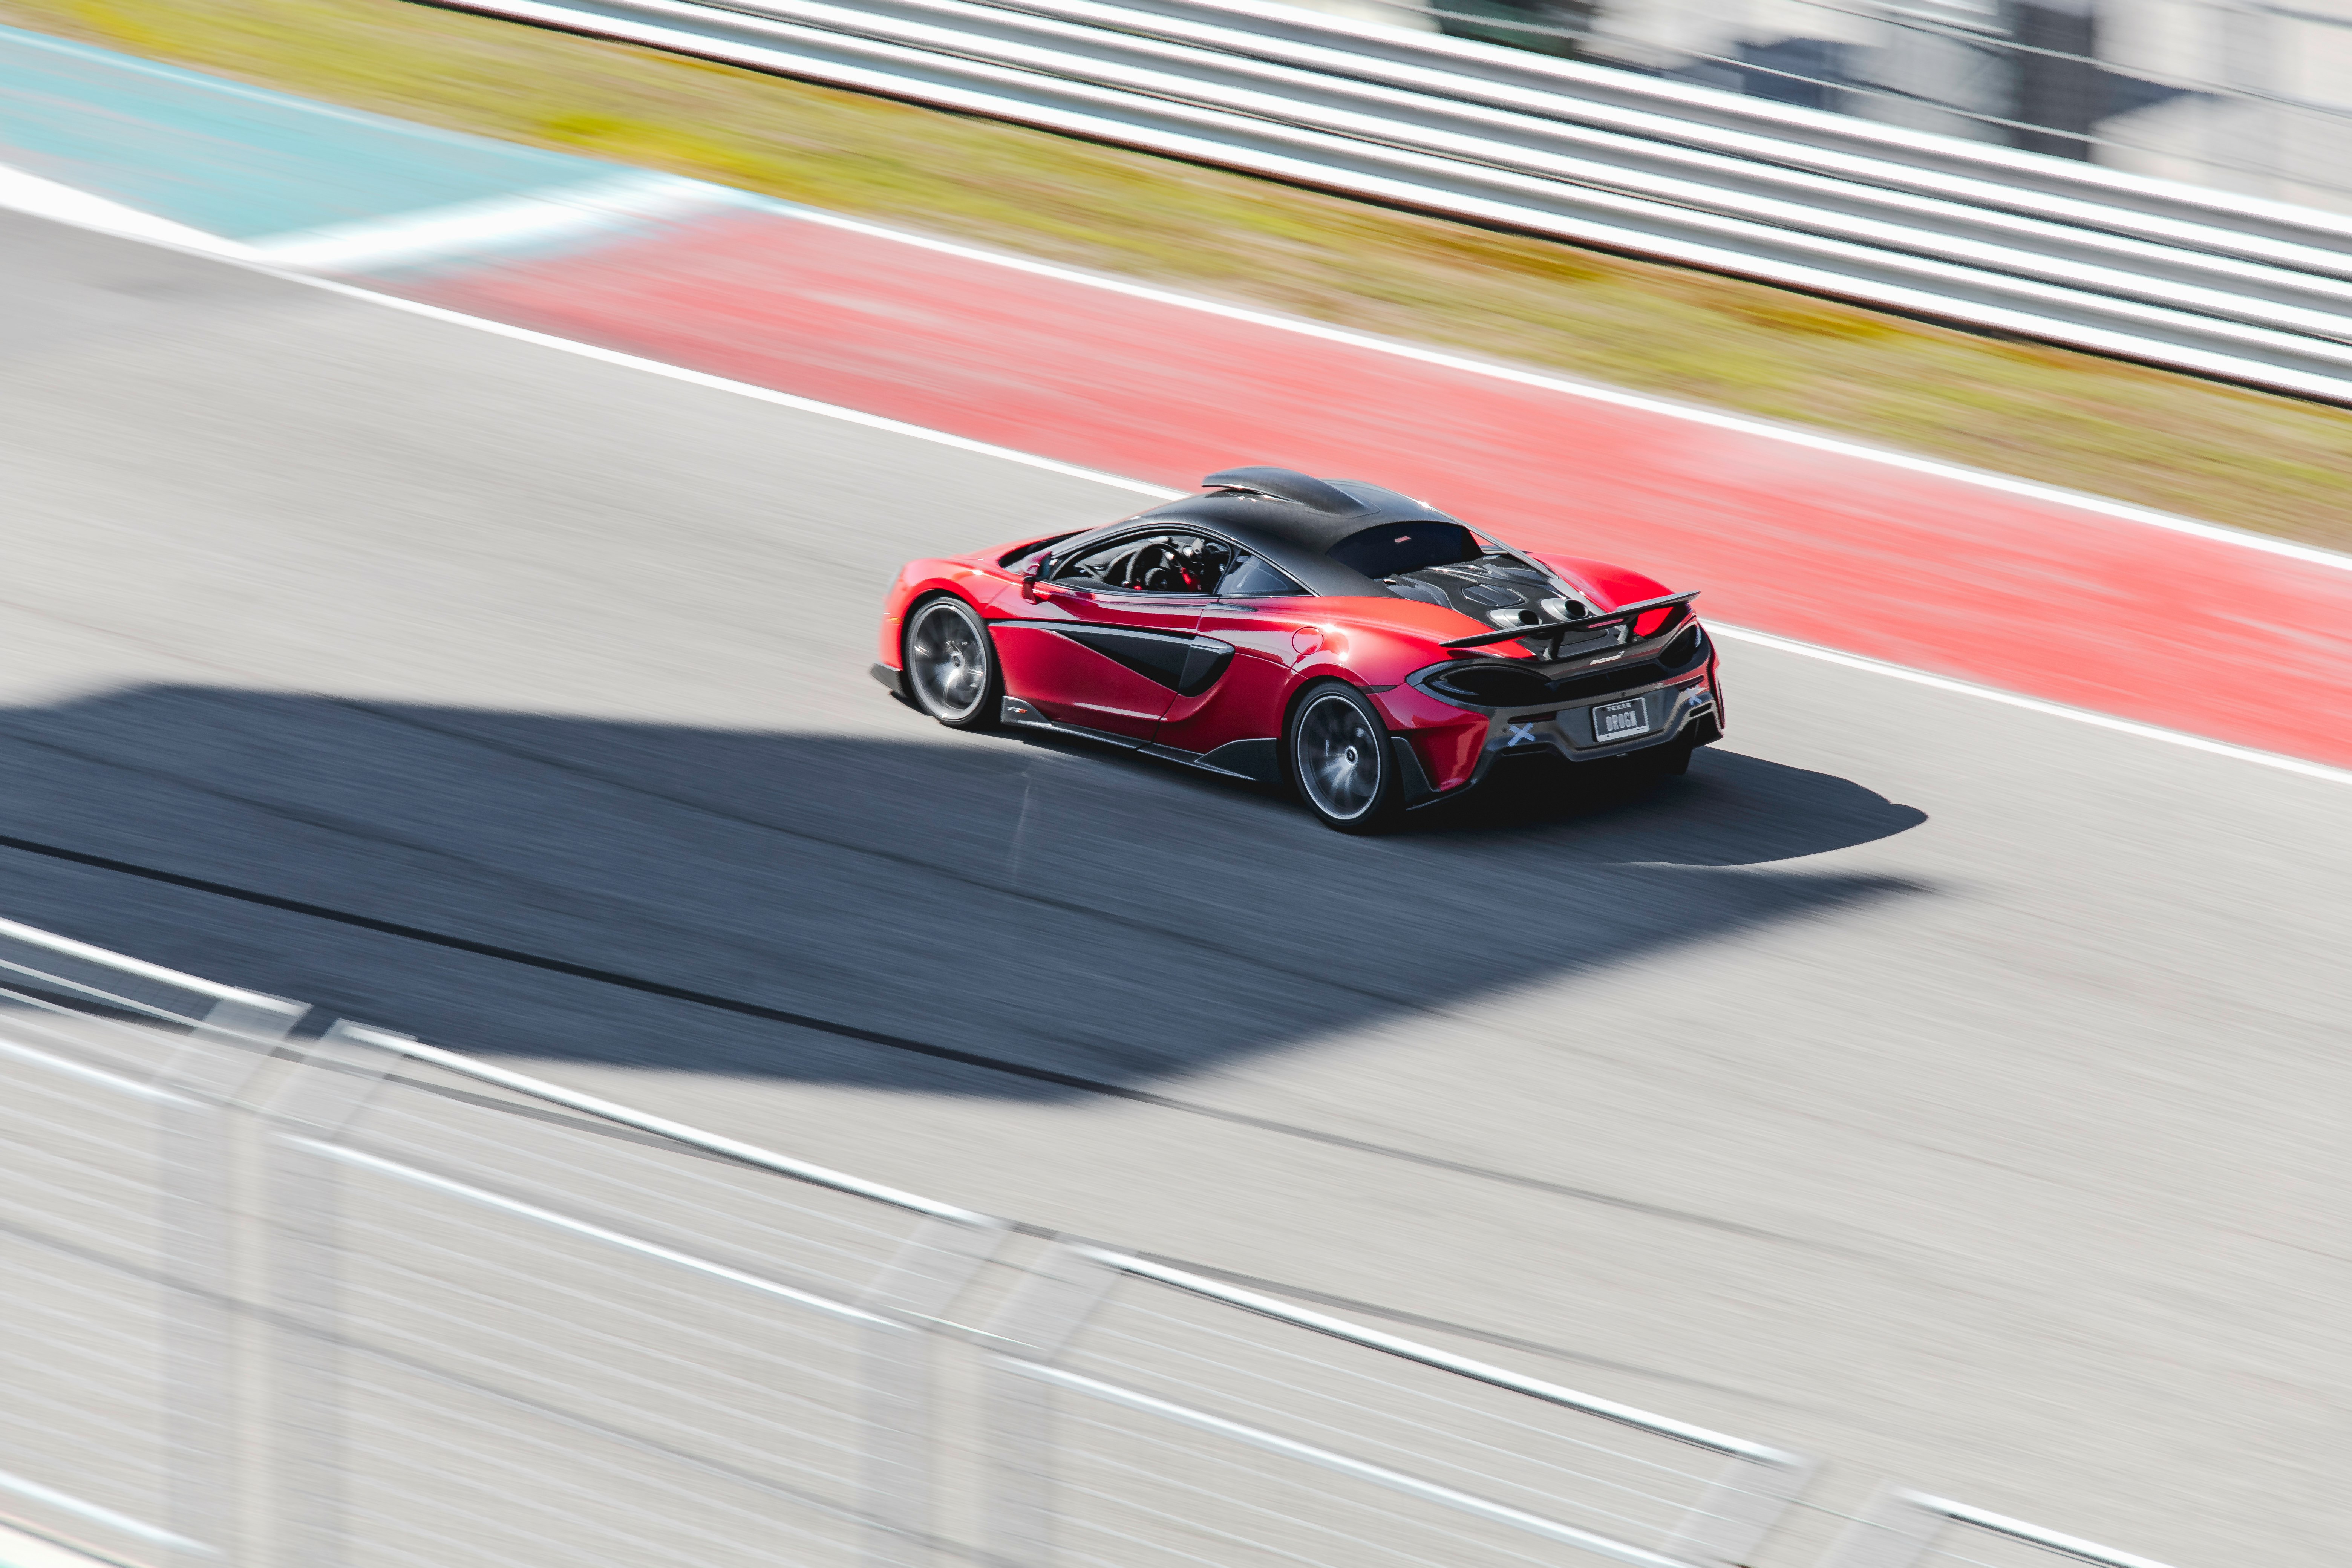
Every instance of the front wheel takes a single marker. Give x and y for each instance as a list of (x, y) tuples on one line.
[(1340, 759), (951, 668)]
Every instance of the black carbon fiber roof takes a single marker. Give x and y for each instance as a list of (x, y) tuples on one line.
[(1296, 536)]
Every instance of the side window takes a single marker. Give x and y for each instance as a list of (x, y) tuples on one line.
[(1252, 577), (1149, 564), (1020, 552), (1090, 568)]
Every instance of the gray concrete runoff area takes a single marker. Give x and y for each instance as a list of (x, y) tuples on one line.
[(1948, 1091)]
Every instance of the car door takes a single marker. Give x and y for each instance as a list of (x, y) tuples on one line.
[(1227, 709), (1104, 644)]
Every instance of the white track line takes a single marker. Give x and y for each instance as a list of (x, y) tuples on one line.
[(1160, 492), (549, 216), (94, 214), (1746, 424), (66, 1502), (21, 1547), (32, 195), (130, 223), (2034, 704), (721, 383)]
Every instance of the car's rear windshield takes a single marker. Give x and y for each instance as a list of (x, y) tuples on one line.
[(1395, 547)]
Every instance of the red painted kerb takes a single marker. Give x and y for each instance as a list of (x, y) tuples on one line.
[(1924, 570)]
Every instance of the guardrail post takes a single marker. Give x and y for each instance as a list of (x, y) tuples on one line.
[(339, 1073), (1051, 1305), (927, 1273), (1895, 1532), (1725, 1527), (193, 1218)]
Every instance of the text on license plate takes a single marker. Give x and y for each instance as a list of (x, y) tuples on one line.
[(1611, 719)]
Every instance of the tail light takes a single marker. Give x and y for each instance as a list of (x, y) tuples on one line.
[(1496, 685)]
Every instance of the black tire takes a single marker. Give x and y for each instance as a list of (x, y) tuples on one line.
[(1335, 750), (952, 672)]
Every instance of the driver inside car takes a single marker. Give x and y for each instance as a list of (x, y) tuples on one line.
[(1170, 564)]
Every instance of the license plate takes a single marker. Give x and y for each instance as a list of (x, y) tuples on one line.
[(1614, 721)]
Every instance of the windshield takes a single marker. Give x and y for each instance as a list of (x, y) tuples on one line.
[(1395, 547)]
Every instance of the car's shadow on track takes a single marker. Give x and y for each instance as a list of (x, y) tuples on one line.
[(1730, 809), (1066, 910)]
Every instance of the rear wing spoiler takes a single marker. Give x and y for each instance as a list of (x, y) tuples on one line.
[(1625, 615)]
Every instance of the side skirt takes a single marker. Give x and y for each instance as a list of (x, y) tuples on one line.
[(1254, 762), (1017, 711)]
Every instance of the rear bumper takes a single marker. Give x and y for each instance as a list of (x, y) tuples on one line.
[(1664, 711), (1685, 711)]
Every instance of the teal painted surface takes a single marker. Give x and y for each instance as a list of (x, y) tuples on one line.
[(234, 160)]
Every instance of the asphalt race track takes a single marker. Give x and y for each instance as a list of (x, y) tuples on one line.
[(1949, 1091)]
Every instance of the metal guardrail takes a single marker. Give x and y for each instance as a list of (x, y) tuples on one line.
[(1905, 1529), (117, 1406), (1699, 1521), (359, 1301), (626, 1347), (2208, 86), (2178, 276)]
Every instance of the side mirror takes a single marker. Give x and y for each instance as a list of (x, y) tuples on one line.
[(1038, 567)]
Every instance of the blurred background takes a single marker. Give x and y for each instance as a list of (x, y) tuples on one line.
[(2247, 98), (515, 1050)]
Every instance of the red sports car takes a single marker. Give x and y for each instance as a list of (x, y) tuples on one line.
[(1369, 650)]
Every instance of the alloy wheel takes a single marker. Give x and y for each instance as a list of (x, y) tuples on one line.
[(1339, 758), (948, 661)]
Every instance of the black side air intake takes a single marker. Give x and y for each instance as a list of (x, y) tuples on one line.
[(1286, 484)]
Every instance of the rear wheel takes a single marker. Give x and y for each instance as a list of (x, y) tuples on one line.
[(951, 669), (1340, 759)]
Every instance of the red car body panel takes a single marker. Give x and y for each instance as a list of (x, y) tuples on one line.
[(1073, 684), (1062, 656)]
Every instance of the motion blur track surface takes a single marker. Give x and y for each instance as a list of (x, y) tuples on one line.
[(1949, 1091), (1903, 563)]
